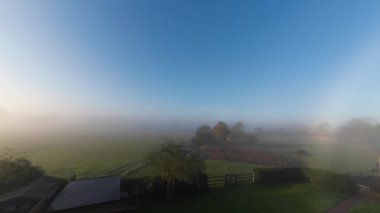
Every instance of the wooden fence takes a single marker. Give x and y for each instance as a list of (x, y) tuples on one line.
[(373, 172), (129, 168), (230, 179)]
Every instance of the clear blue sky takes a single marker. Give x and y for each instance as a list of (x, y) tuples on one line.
[(176, 59)]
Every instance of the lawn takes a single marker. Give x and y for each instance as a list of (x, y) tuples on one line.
[(337, 157), (367, 207), (83, 156), (64, 156), (213, 167), (254, 198)]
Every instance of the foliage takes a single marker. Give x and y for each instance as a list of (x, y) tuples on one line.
[(279, 175), (251, 138), (220, 131), (175, 164), (237, 131), (359, 131), (302, 152), (197, 182), (337, 182), (259, 130), (16, 170), (203, 135)]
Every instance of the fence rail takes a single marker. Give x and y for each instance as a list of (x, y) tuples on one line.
[(129, 168), (373, 172), (230, 179)]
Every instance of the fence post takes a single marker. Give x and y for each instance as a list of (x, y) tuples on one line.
[(126, 171)]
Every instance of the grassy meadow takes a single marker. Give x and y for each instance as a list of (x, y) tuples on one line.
[(82, 155), (213, 167), (255, 198), (64, 156), (367, 207), (337, 157)]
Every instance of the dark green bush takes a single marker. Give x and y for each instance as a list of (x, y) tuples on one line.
[(16, 172), (337, 182), (279, 175), (156, 187)]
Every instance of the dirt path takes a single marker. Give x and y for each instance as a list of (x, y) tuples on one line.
[(347, 204)]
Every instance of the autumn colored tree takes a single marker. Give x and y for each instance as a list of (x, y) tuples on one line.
[(220, 131)]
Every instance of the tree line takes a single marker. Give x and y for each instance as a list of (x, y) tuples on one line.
[(221, 133)]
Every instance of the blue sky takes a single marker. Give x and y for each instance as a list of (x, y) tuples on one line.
[(191, 60)]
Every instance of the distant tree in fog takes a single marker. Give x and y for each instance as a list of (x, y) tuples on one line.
[(359, 131), (202, 135), (259, 130), (220, 131), (237, 130), (251, 138), (323, 129)]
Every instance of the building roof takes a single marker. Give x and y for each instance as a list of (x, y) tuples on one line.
[(43, 187), (87, 192)]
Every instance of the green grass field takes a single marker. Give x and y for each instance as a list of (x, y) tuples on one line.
[(367, 207), (83, 156), (337, 157), (213, 167), (91, 155), (254, 198)]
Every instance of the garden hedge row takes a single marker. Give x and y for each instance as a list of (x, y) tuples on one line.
[(156, 186), (335, 181)]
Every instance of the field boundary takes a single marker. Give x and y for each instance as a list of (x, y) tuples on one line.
[(230, 179), (128, 168)]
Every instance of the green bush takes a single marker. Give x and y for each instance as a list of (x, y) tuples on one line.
[(156, 186), (337, 182), (16, 171)]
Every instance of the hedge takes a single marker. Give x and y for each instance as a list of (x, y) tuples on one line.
[(337, 182), (156, 186)]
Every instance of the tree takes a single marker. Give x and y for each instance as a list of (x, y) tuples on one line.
[(259, 130), (358, 131), (175, 164), (220, 131), (323, 129), (251, 138), (16, 170), (202, 135), (237, 132)]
